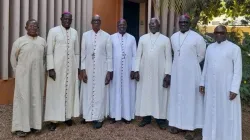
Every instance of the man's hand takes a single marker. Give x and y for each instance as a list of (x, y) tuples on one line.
[(232, 96), (166, 81), (108, 78), (202, 89), (84, 76), (111, 75), (79, 75), (52, 74), (132, 75), (137, 76)]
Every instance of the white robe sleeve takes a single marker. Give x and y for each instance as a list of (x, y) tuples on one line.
[(139, 54), (204, 72), (201, 49), (133, 54), (50, 50), (237, 71), (77, 51), (109, 54), (83, 54), (14, 55), (168, 56)]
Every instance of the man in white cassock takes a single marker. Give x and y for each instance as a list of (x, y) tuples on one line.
[(28, 62), (185, 109), (96, 73), (62, 97), (153, 69), (220, 82), (122, 87)]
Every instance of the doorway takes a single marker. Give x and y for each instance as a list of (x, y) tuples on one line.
[(131, 13)]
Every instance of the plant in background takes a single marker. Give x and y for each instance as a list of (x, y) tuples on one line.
[(245, 85)]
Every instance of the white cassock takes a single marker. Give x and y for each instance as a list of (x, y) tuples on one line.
[(122, 88), (185, 109), (96, 59), (28, 62), (62, 97), (153, 61), (222, 73)]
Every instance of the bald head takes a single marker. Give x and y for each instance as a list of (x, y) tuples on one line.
[(96, 23), (122, 26), (96, 17), (220, 33), (154, 25), (121, 21), (31, 21), (220, 28), (154, 19), (32, 27)]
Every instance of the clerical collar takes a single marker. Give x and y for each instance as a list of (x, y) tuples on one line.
[(97, 31), (64, 28), (155, 33), (223, 42), (185, 32), (121, 34)]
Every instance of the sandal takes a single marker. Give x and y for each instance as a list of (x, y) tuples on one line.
[(21, 133)]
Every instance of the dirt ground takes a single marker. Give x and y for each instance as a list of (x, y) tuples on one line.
[(109, 131)]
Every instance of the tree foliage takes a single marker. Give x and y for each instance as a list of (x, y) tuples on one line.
[(204, 11)]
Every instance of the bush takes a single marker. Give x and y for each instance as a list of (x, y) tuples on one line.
[(245, 85)]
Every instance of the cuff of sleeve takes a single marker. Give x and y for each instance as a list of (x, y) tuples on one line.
[(83, 66), (50, 62), (136, 68), (168, 72), (202, 84), (234, 90)]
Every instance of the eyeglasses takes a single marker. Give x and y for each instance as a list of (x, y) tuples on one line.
[(96, 21), (186, 22), (221, 33)]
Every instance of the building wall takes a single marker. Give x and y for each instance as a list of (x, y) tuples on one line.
[(143, 22), (48, 12), (110, 12), (15, 13)]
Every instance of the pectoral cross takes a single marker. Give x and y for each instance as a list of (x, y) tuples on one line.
[(93, 55)]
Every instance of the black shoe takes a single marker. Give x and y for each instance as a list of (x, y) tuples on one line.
[(21, 133), (125, 121), (174, 130), (112, 121), (69, 122), (83, 121), (162, 124), (34, 130), (97, 124), (52, 126), (144, 123)]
